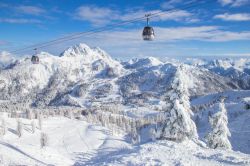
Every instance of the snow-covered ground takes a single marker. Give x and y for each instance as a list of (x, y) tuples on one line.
[(238, 114), (70, 142), (76, 142)]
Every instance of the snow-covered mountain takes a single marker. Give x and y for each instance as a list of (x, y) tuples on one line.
[(124, 98), (236, 69), (84, 76)]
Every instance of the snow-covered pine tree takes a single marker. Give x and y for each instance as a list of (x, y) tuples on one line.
[(178, 124), (4, 128), (40, 120), (135, 136), (152, 133), (29, 114), (128, 126), (61, 112), (1, 131), (33, 126), (71, 114), (52, 113), (19, 128), (218, 136), (44, 140)]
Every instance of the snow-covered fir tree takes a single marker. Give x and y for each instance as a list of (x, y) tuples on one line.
[(19, 128), (135, 137), (152, 133), (44, 140), (40, 120), (4, 127), (178, 124), (29, 114), (70, 114), (218, 136), (33, 126)]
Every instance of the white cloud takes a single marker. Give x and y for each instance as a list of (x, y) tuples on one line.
[(24, 9), (226, 2), (234, 3), (177, 15), (238, 3), (32, 10), (233, 17), (18, 20), (95, 15), (22, 14), (227, 54), (202, 33), (170, 4), (102, 16), (129, 42), (6, 58)]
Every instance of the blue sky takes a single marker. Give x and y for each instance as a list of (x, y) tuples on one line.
[(218, 28)]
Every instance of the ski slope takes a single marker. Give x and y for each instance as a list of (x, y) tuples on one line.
[(76, 142)]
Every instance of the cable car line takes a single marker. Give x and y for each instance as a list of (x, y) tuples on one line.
[(97, 30), (109, 27)]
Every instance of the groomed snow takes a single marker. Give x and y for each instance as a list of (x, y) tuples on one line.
[(76, 142)]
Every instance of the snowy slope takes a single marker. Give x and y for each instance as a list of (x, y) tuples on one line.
[(74, 142), (70, 142), (238, 114)]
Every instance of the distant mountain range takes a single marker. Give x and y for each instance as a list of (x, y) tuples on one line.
[(85, 77)]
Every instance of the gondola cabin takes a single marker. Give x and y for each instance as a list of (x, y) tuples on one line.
[(148, 33), (35, 59)]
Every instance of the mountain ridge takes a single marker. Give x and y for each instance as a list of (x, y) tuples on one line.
[(81, 74)]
